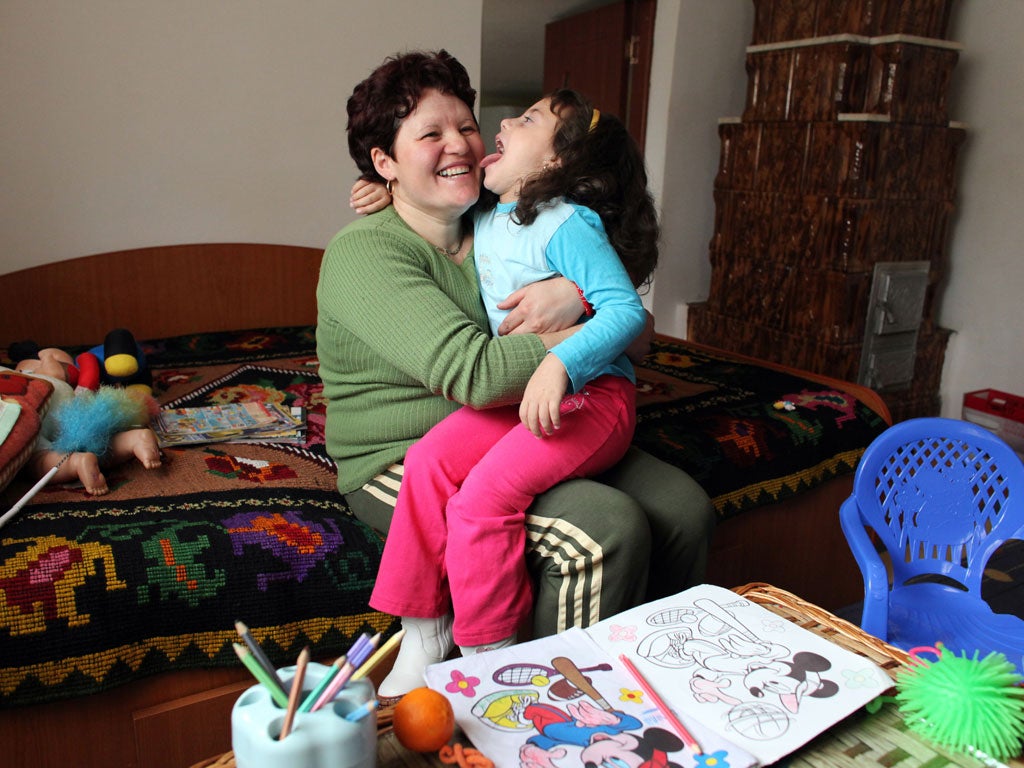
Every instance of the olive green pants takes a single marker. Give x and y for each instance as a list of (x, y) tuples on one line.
[(596, 546)]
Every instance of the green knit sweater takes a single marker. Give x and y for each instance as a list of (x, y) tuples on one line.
[(402, 341)]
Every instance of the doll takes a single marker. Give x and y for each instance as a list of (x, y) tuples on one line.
[(121, 430), (118, 361)]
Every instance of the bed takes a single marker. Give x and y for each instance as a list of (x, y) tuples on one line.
[(117, 611)]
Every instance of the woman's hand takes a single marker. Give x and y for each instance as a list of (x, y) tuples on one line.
[(540, 409), (541, 307), (641, 345), (368, 197)]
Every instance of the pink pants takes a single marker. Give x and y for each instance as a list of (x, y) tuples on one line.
[(457, 540)]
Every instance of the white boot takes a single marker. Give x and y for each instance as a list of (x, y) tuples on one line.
[(470, 650), (426, 642)]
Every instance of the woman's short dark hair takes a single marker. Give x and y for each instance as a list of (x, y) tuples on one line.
[(378, 105)]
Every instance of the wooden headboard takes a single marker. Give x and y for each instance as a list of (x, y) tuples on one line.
[(160, 291)]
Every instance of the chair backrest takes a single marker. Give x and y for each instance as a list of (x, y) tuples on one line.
[(941, 495)]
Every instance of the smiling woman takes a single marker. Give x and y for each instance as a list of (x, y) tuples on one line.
[(433, 171), (403, 340)]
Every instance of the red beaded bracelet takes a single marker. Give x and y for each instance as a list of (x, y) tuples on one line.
[(588, 308)]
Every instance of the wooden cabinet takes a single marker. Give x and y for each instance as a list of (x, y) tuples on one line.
[(843, 164), (605, 53)]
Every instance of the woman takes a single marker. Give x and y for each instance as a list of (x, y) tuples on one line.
[(402, 341)]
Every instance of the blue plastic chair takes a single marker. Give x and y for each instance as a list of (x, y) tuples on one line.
[(941, 496)]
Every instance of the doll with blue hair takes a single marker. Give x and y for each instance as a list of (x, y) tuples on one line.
[(88, 426)]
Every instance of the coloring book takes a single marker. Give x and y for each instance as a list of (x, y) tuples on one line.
[(747, 685)]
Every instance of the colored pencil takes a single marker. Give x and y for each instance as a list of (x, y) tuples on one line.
[(310, 700), (341, 679), (276, 690), (378, 656), (669, 715), (257, 652), (336, 667), (361, 711), (293, 696)]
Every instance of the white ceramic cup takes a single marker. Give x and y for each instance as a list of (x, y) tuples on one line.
[(320, 739)]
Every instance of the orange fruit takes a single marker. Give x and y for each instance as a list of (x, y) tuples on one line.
[(423, 720)]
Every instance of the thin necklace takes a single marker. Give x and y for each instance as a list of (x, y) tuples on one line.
[(455, 250)]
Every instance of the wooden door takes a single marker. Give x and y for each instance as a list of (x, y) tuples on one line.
[(605, 54)]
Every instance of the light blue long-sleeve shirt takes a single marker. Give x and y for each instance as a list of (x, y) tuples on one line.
[(569, 240)]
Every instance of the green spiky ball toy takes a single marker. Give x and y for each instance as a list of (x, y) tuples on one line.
[(962, 703)]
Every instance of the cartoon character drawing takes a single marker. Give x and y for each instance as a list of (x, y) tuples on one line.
[(710, 690), (627, 750), (589, 724), (577, 725), (791, 681), (503, 710), (539, 675), (723, 650), (754, 687)]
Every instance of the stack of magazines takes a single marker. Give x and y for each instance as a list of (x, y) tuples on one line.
[(255, 422)]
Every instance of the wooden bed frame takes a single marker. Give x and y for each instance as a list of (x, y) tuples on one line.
[(164, 721), (163, 291)]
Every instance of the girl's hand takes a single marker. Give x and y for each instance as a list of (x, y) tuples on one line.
[(542, 307), (540, 409), (369, 197)]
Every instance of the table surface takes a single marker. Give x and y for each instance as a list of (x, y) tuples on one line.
[(881, 739)]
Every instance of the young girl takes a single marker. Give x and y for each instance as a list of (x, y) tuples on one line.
[(572, 200)]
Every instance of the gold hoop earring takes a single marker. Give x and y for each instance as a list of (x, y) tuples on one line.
[(388, 186)]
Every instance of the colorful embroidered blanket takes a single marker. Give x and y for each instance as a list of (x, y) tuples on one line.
[(749, 434), (95, 592)]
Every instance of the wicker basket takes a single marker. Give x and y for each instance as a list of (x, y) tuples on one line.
[(859, 741), (821, 622), (881, 739)]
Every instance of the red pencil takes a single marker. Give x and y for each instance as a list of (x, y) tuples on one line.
[(686, 736)]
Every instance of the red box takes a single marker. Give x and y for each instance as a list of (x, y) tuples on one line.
[(999, 412)]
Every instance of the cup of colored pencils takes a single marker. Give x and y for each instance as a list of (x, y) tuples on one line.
[(308, 715)]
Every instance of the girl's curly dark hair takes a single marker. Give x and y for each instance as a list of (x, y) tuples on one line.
[(602, 168), (379, 103)]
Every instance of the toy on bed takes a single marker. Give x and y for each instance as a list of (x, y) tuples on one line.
[(89, 425), (118, 361)]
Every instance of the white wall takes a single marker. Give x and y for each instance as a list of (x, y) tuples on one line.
[(697, 77), (984, 292), (129, 123)]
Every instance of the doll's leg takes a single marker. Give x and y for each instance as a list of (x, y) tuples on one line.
[(138, 443), (83, 467)]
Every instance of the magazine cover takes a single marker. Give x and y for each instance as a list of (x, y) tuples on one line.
[(234, 422)]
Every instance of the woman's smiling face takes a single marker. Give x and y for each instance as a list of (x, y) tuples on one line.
[(435, 161)]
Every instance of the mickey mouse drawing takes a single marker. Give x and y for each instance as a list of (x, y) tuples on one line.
[(605, 735), (791, 681), (649, 750)]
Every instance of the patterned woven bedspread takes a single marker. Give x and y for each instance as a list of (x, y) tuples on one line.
[(95, 592), (749, 434)]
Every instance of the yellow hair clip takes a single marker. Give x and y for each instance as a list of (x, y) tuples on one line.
[(594, 118)]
